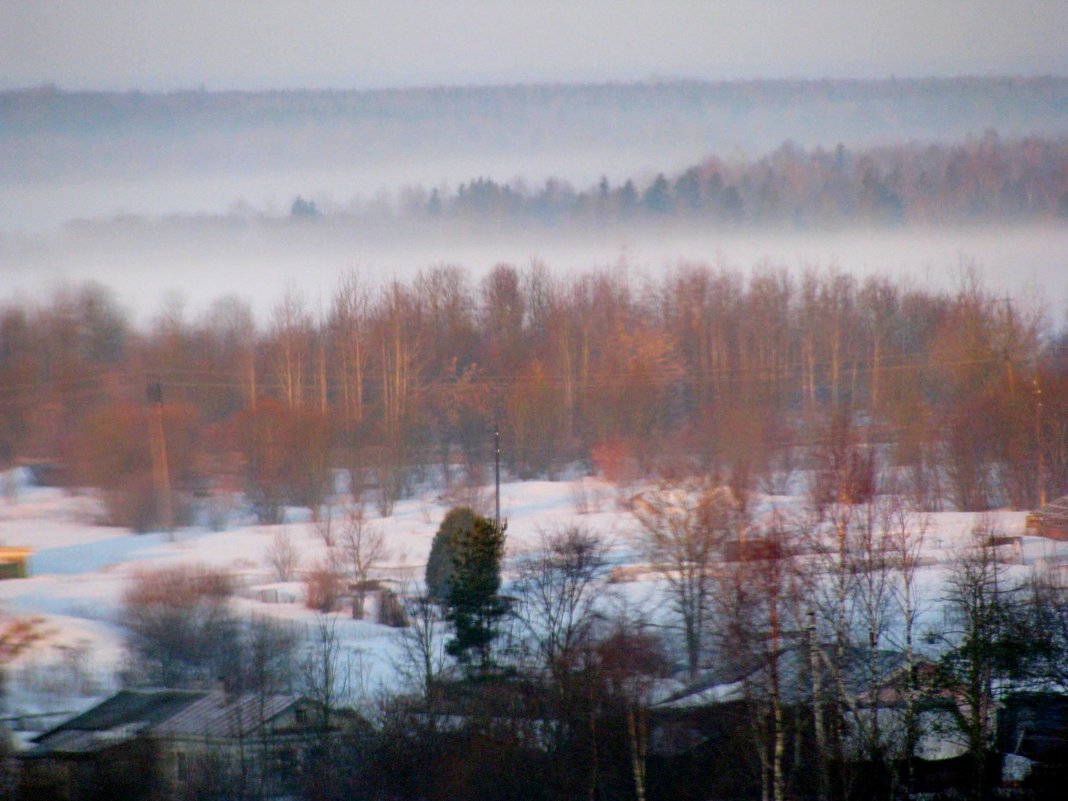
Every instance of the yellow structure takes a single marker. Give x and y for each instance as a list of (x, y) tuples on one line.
[(14, 562)]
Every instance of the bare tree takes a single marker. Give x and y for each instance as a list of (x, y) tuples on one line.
[(906, 533), (557, 584), (423, 642), (323, 521), (386, 467), (757, 605), (835, 583), (290, 331), (872, 561), (349, 323), (684, 522), (269, 658), (630, 660), (282, 555), (325, 670), (363, 547), (990, 641), (1048, 604), (395, 334)]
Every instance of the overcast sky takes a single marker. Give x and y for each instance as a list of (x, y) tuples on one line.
[(225, 44)]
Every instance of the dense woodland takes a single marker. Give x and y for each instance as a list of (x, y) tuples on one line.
[(964, 391), (986, 179), (686, 390)]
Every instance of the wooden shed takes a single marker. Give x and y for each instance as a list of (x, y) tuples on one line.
[(14, 562), (1051, 520)]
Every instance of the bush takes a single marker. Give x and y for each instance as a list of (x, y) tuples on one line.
[(133, 504), (181, 623), (322, 588), (391, 610), (844, 470), (286, 458), (186, 635), (111, 452)]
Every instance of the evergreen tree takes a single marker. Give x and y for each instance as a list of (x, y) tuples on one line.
[(473, 607), (439, 564), (657, 198)]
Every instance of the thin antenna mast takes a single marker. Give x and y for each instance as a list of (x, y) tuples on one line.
[(497, 474)]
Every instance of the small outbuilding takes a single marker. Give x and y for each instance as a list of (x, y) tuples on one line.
[(14, 562), (1051, 520)]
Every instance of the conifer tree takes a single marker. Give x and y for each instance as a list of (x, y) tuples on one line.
[(439, 563), (473, 606)]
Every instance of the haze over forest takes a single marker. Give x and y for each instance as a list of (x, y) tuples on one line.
[(142, 190), (757, 312)]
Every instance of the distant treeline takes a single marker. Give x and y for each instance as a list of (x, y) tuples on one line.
[(913, 101), (46, 132), (980, 180), (965, 393)]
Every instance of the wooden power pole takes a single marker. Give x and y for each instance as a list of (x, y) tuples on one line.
[(161, 477), (497, 474), (1038, 442)]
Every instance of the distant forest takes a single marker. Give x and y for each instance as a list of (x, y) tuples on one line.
[(47, 133), (982, 180), (960, 397)]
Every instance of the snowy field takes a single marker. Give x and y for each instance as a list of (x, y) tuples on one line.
[(79, 571)]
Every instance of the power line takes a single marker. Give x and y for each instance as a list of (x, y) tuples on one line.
[(598, 380)]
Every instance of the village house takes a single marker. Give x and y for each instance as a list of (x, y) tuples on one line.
[(144, 743)]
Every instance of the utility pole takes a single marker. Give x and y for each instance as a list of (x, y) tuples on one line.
[(1038, 442), (497, 474), (161, 477), (1005, 351)]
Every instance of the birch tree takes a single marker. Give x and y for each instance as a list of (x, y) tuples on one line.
[(683, 524)]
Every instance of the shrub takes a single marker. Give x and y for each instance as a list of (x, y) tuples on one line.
[(286, 458), (111, 452), (181, 624), (391, 610), (323, 588)]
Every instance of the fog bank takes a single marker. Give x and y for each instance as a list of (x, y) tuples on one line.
[(142, 263)]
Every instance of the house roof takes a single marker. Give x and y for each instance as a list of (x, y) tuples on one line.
[(161, 713), (733, 682), (1055, 513), (130, 708), (219, 715)]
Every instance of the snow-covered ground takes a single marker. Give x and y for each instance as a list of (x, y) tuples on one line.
[(79, 571)]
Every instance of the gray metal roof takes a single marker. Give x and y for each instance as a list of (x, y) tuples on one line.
[(163, 713), (222, 715), (131, 707), (728, 684)]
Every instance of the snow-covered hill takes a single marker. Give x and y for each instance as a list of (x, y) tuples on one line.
[(79, 572)]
